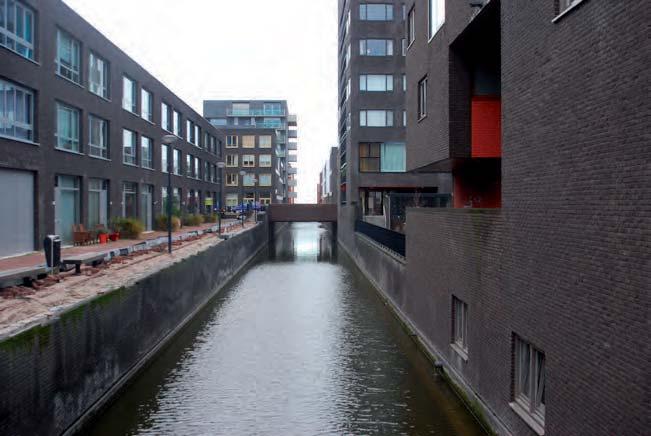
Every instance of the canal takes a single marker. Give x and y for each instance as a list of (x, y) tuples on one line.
[(299, 344)]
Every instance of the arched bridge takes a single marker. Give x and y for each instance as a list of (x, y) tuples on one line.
[(302, 213)]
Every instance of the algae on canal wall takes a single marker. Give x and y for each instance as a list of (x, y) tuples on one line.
[(53, 376)]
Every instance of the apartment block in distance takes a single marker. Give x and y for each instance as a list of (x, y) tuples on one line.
[(232, 117), (252, 167), (374, 182), (80, 132), (533, 290)]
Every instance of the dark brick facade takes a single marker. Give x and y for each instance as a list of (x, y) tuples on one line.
[(45, 162), (565, 263)]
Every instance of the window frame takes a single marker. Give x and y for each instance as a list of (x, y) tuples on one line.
[(246, 143), (388, 47), (364, 82), (127, 157), (232, 141), (28, 45), (431, 31), (72, 109), (29, 97), (459, 330), (165, 116), (235, 162), (422, 99), (68, 72), (232, 179), (529, 370), (104, 149), (149, 162), (388, 11), (261, 175), (133, 108), (264, 145), (411, 26), (106, 73), (260, 163), (388, 114), (149, 114), (164, 158), (248, 161)]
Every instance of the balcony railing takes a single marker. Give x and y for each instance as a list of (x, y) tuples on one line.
[(255, 112), (394, 241)]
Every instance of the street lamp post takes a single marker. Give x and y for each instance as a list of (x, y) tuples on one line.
[(255, 204), (242, 173), (221, 166), (169, 140)]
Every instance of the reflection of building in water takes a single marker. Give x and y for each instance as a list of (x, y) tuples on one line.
[(307, 242)]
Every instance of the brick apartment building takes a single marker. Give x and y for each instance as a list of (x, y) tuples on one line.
[(243, 119), (533, 290), (80, 131), (372, 87)]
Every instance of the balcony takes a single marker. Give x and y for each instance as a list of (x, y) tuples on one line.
[(292, 120), (292, 183), (292, 158), (291, 170), (255, 113), (292, 146), (293, 134), (292, 194)]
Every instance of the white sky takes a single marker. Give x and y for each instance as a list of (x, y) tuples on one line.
[(248, 49)]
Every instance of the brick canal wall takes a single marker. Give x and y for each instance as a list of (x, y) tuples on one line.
[(55, 376)]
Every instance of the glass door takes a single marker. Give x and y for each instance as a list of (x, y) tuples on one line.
[(147, 207), (67, 207)]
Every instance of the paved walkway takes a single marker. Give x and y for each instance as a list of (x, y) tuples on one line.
[(38, 258)]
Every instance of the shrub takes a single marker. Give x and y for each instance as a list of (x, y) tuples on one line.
[(192, 220), (210, 218), (161, 223), (129, 228)]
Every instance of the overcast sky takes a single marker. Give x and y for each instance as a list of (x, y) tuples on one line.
[(244, 49)]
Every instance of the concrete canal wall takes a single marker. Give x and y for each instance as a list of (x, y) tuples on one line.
[(56, 375)]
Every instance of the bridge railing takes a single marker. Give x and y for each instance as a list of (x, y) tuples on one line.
[(394, 241)]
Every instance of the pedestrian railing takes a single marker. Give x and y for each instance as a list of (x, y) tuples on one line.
[(394, 241)]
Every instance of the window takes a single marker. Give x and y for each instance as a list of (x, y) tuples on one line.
[(176, 163), (422, 98), (382, 157), (146, 152), (264, 160), (97, 137), (232, 141), (189, 165), (265, 141), (376, 12), (376, 82), (98, 76), (164, 151), (128, 147), (231, 200), (411, 26), (404, 118), (146, 105), (460, 327), (265, 179), (248, 179), (197, 135), (375, 118), (404, 47), (231, 179), (17, 28), (16, 111), (129, 98), (176, 123), (67, 128), (436, 16), (231, 160), (129, 200), (189, 132), (165, 117), (98, 202), (376, 47), (272, 109), (240, 109), (68, 57), (218, 121), (248, 141), (197, 168), (248, 160), (207, 172), (529, 382), (404, 83)]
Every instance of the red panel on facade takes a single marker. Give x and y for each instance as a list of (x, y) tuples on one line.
[(486, 121)]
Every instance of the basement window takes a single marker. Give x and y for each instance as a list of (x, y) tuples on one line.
[(460, 327), (529, 384)]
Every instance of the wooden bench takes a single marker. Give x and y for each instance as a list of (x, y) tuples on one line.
[(22, 276), (93, 259)]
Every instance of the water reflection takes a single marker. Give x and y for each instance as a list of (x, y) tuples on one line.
[(299, 345)]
